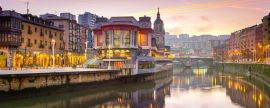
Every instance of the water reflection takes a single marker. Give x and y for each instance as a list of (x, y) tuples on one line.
[(190, 88)]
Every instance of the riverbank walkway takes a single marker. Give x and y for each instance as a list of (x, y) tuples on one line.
[(52, 70)]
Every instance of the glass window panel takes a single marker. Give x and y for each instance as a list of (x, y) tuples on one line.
[(99, 40), (126, 38), (116, 36), (107, 35)]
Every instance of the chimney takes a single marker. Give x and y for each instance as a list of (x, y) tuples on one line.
[(0, 10)]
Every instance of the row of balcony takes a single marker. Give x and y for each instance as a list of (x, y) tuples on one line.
[(42, 34), (43, 46)]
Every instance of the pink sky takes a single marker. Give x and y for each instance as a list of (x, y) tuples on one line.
[(194, 17)]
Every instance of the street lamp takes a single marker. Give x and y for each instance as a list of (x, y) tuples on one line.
[(109, 66), (86, 50), (53, 44), (267, 53), (254, 56)]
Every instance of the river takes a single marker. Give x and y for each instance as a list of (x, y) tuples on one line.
[(187, 88)]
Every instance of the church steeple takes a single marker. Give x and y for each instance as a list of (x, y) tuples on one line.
[(158, 15), (159, 31)]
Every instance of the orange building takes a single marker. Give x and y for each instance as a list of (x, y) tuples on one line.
[(39, 37)]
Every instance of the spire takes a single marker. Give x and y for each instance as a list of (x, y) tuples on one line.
[(158, 15)]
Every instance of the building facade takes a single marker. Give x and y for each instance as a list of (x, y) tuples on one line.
[(10, 36), (87, 19), (29, 41), (246, 45), (40, 39), (120, 40), (266, 35), (74, 36)]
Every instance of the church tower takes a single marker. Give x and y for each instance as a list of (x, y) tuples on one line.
[(159, 32)]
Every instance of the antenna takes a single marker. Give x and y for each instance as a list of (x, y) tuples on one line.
[(27, 6)]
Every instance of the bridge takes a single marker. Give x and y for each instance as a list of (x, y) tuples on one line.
[(194, 61)]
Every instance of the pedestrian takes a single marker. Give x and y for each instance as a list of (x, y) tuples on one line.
[(249, 69)]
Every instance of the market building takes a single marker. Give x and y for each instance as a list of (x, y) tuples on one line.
[(119, 41)]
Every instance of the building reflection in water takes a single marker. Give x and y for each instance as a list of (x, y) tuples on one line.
[(191, 88), (240, 90), (144, 98)]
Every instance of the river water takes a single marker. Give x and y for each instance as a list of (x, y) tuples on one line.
[(187, 88)]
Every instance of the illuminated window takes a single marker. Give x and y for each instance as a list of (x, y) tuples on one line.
[(99, 40), (116, 38), (143, 39), (109, 53), (107, 35), (116, 53), (122, 53), (126, 36), (128, 55)]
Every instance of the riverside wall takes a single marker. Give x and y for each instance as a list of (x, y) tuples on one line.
[(262, 69), (30, 85)]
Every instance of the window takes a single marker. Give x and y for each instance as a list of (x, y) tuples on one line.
[(35, 41), (35, 29), (29, 42), (116, 38), (61, 26), (41, 32), (126, 36), (143, 40), (29, 30), (135, 38), (99, 39), (107, 36)]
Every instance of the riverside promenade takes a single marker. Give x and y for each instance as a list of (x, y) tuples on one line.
[(63, 70)]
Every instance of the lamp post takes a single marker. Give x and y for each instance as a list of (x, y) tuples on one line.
[(86, 50), (53, 44), (109, 66), (254, 56), (267, 53)]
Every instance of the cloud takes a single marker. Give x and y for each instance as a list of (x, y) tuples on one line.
[(178, 17), (250, 8), (204, 18), (200, 7), (175, 30), (24, 0), (207, 28)]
